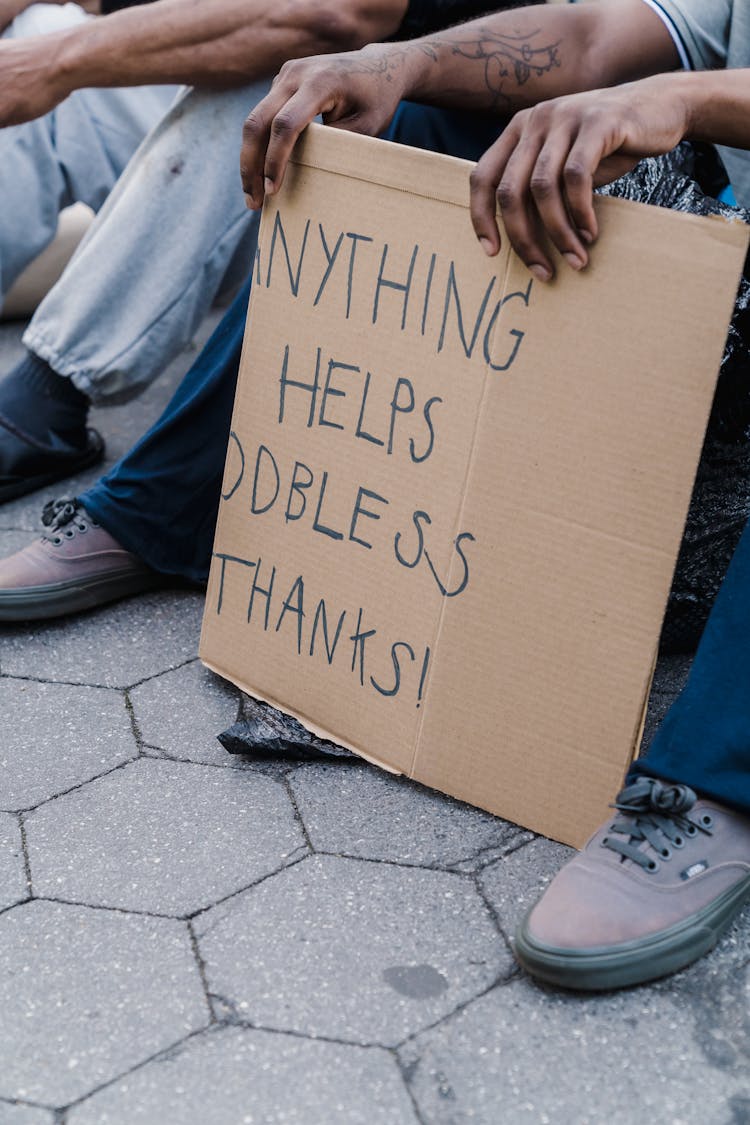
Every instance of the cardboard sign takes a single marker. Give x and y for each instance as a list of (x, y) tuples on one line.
[(454, 496)]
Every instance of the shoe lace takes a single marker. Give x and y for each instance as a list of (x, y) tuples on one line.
[(64, 516), (654, 813)]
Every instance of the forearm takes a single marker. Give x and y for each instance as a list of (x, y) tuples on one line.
[(514, 59), (213, 42), (717, 106)]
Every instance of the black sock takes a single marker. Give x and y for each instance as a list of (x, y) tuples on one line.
[(36, 401)]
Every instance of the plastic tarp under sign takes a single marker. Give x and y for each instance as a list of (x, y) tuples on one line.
[(453, 497)]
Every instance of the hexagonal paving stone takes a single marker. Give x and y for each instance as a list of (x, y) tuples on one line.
[(55, 737), (182, 712), (528, 1055), (514, 883), (363, 952), (164, 837), (114, 646), (87, 994), (12, 873), (363, 811), (24, 1115), (256, 1078)]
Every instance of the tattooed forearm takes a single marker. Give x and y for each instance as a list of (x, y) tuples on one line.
[(509, 59)]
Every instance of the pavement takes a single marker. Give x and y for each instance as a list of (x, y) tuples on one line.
[(190, 938)]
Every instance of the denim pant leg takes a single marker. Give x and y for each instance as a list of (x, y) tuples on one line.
[(153, 261), (162, 498), (73, 154), (457, 132), (704, 742)]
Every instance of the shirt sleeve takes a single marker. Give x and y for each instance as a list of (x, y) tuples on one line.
[(109, 6), (703, 27), (426, 16)]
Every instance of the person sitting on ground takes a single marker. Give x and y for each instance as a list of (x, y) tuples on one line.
[(174, 232), (661, 880)]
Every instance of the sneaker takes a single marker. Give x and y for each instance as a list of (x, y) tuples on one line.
[(27, 465), (653, 890), (75, 565)]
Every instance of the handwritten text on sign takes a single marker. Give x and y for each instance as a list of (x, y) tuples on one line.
[(352, 276)]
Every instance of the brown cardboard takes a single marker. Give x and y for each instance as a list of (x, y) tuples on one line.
[(561, 459)]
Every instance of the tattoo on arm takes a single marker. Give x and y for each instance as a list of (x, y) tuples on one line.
[(509, 57)]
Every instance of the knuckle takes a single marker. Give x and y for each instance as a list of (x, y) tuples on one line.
[(253, 126), (282, 125), (479, 179), (507, 196), (574, 173), (542, 185)]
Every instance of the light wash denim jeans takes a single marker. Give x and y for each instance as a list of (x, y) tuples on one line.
[(173, 234), (74, 154)]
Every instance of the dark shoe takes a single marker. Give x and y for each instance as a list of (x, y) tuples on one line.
[(26, 465), (652, 891), (76, 565)]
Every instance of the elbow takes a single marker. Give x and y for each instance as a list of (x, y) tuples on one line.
[(342, 26)]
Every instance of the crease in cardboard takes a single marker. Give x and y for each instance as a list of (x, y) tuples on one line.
[(377, 170), (470, 464), (448, 200)]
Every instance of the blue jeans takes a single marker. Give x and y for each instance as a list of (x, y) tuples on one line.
[(704, 741), (161, 501)]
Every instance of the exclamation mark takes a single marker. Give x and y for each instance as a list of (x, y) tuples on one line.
[(423, 677)]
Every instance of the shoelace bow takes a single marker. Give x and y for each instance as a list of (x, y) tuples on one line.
[(57, 515), (655, 813)]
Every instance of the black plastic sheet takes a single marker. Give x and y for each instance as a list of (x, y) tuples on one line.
[(265, 733)]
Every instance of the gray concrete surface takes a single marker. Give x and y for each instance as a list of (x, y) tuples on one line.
[(191, 938)]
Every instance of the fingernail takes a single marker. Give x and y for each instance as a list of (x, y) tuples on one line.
[(587, 236), (574, 261), (268, 186), (486, 245), (541, 273)]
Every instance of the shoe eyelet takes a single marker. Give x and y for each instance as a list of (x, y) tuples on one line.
[(652, 865), (57, 541), (691, 831), (82, 527), (707, 820), (604, 842), (68, 533), (678, 842), (666, 853)]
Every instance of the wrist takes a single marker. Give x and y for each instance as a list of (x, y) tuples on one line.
[(690, 102), (69, 64), (418, 63)]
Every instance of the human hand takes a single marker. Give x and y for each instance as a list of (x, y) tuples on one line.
[(543, 169), (29, 83), (358, 90)]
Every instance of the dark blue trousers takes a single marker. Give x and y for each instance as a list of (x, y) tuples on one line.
[(704, 741), (161, 501)]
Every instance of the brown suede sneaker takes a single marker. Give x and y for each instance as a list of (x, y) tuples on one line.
[(652, 890), (75, 565)]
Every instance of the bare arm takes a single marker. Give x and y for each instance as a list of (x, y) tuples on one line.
[(544, 167), (502, 62), (211, 42)]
